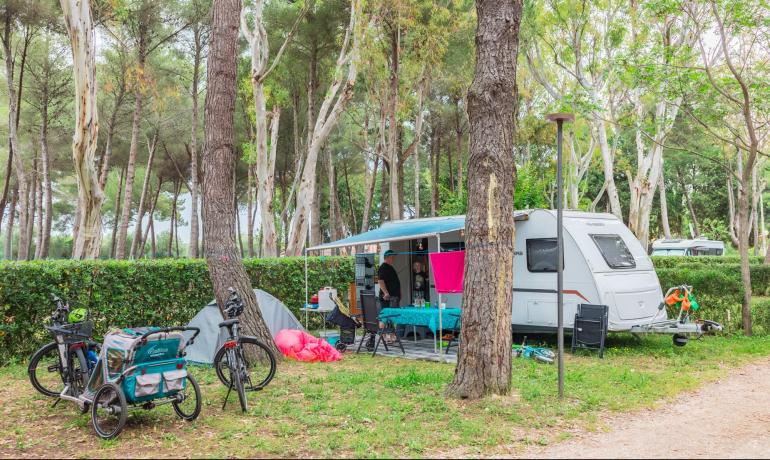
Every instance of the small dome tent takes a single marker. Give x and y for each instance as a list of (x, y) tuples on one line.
[(276, 315)]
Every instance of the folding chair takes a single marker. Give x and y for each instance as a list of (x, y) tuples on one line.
[(455, 332), (590, 329), (371, 323)]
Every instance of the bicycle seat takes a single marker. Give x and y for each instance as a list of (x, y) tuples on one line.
[(228, 322)]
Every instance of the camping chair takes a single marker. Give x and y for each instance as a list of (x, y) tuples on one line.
[(455, 332), (371, 323), (590, 329)]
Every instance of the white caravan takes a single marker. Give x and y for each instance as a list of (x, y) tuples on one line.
[(604, 263), (697, 247)]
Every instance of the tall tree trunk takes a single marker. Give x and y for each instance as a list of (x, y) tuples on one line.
[(125, 216), (608, 163), (384, 214), (177, 191), (250, 217), (664, 208), (137, 240), (371, 183), (33, 208), (434, 177), (222, 257), (150, 224), (107, 155), (194, 225), (459, 147), (77, 15), (116, 221), (393, 149), (417, 185), (484, 364), (266, 185), (732, 221), (337, 97), (45, 160), (8, 249), (39, 213), (18, 163)]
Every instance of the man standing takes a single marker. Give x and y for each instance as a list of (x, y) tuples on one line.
[(390, 286)]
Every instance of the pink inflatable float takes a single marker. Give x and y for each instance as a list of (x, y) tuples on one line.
[(304, 347)]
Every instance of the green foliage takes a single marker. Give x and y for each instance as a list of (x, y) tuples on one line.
[(139, 293)]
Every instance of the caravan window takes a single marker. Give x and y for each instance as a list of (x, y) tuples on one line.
[(614, 251), (541, 255)]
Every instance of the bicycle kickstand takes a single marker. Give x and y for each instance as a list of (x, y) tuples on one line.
[(55, 403), (227, 396)]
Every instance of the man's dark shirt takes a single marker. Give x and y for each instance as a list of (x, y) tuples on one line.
[(388, 274)]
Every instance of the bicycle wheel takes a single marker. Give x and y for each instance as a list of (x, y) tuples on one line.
[(45, 369), (544, 356), (241, 391), (109, 411), (260, 364), (188, 403)]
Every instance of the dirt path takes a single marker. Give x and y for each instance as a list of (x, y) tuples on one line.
[(727, 419)]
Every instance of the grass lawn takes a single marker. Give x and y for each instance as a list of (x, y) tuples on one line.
[(380, 407)]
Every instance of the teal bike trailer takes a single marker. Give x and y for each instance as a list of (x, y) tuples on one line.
[(140, 367)]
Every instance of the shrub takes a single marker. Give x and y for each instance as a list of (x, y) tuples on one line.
[(139, 293)]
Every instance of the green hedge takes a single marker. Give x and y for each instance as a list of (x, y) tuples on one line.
[(128, 293), (171, 291), (676, 261)]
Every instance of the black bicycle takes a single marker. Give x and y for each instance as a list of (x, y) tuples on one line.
[(63, 367), (242, 363)]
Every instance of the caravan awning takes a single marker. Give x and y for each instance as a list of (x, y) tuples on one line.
[(400, 230), (406, 230)]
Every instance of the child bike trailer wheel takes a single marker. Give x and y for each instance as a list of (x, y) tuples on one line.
[(109, 411), (188, 401)]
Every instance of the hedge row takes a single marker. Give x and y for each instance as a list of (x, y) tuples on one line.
[(674, 261), (128, 293), (171, 291)]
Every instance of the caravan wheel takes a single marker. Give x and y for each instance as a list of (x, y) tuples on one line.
[(680, 340)]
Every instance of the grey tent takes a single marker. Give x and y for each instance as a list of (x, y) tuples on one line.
[(276, 315)]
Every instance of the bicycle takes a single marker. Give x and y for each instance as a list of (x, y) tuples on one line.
[(539, 354), (62, 368), (242, 362)]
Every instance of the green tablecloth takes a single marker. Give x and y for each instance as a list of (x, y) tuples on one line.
[(428, 317)]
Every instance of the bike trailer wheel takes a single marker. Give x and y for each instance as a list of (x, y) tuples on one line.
[(109, 411), (188, 403)]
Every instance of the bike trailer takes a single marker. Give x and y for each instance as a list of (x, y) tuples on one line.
[(145, 368)]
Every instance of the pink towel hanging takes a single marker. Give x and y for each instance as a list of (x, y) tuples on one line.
[(448, 270)]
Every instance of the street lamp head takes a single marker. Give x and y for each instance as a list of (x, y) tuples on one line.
[(557, 117)]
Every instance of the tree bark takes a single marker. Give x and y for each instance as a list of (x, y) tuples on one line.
[(125, 216), (250, 211), (107, 155), (38, 212), (370, 184), (150, 224), (18, 162), (484, 362), (222, 257), (77, 15), (194, 225), (8, 249), (137, 240), (116, 220), (47, 188), (664, 208), (434, 176), (337, 97)]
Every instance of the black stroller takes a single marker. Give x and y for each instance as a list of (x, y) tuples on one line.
[(347, 323)]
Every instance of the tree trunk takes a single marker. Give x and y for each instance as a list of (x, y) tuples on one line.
[(434, 177), (250, 217), (266, 183), (371, 183), (34, 209), (484, 363), (608, 163), (45, 160), (39, 213), (150, 224), (8, 250), (459, 147), (337, 97), (664, 208), (222, 257), (417, 185), (743, 248), (194, 225), (384, 193), (136, 242), (116, 220), (125, 215), (18, 162), (107, 155), (77, 15)]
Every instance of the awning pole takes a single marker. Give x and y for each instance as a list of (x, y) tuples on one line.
[(440, 326)]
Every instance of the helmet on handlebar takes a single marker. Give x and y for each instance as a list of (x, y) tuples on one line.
[(77, 315)]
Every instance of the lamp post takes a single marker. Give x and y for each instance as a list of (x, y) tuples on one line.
[(560, 118)]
